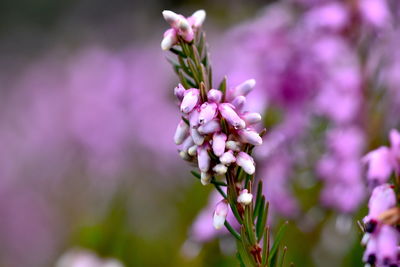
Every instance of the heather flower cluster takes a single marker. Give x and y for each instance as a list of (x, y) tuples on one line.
[(218, 134), (382, 237), (214, 133)]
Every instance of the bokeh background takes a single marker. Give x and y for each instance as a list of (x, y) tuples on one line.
[(88, 168)]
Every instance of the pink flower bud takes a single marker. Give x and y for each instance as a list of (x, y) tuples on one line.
[(220, 169), (190, 100), (244, 88), (198, 139), (245, 197), (220, 213), (205, 178), (250, 136), (233, 145), (239, 102), (203, 158), (171, 17), (383, 198), (169, 39), (197, 18), (371, 251), (214, 96), (194, 117), (388, 241), (185, 30), (251, 118), (207, 112), (187, 143), (379, 165), (228, 112), (227, 158), (218, 144), (245, 161), (210, 127), (181, 132), (179, 92)]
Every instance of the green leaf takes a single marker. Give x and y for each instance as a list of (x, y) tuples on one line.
[(249, 224), (261, 218), (258, 200), (277, 240), (222, 85), (265, 249), (177, 52), (232, 231)]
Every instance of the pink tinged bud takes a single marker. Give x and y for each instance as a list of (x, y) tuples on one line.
[(220, 169), (185, 30), (203, 158), (182, 131), (192, 151), (207, 112), (198, 139), (245, 197), (245, 161), (205, 178), (388, 240), (214, 96), (239, 102), (169, 39), (187, 143), (220, 213), (198, 18), (210, 127), (227, 158), (251, 118), (231, 116), (371, 251), (218, 144), (194, 117), (382, 198), (379, 165), (179, 92), (244, 88), (394, 137), (233, 145), (171, 17), (250, 136), (190, 100)]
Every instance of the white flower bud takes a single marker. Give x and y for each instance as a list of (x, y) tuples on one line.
[(245, 161), (182, 131), (220, 213), (233, 145), (220, 169), (245, 197), (192, 151), (227, 158)]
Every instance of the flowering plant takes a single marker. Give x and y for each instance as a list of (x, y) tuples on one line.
[(218, 135)]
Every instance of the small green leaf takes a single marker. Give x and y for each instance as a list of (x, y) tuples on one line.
[(258, 199), (277, 240)]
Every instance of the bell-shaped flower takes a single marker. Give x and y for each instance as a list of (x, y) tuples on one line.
[(182, 131), (250, 136), (220, 169), (203, 158), (218, 144), (169, 39), (239, 102), (379, 165), (233, 145), (179, 92), (198, 139), (227, 158), (197, 18), (214, 95), (245, 198), (210, 127), (190, 100), (228, 112), (251, 118), (245, 161), (220, 213), (207, 112)]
